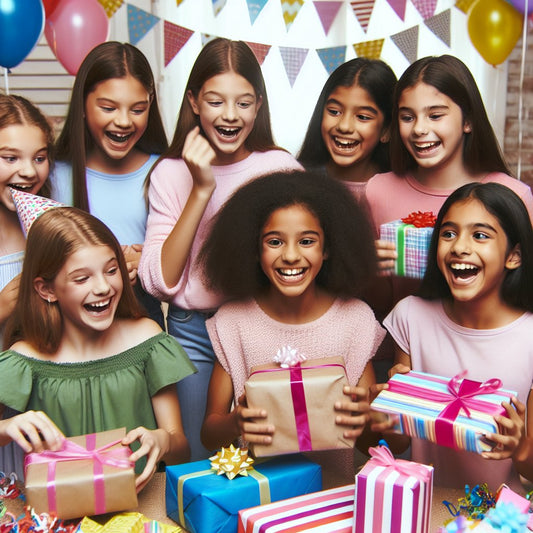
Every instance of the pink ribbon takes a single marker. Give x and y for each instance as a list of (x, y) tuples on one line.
[(461, 395), (70, 451), (382, 456), (298, 401)]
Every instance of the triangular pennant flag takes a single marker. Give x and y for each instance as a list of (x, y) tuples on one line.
[(178, 2), (425, 7), (110, 6), (260, 50), (464, 5), (332, 57), (440, 26), (293, 59), (206, 37), (290, 9), (399, 7), (140, 22), (30, 207), (363, 10), (218, 6), (327, 11), (175, 38), (407, 42), (254, 8), (370, 49)]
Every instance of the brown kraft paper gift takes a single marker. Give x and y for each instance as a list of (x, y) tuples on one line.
[(269, 387), (76, 488)]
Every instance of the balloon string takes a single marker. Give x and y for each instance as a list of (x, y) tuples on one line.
[(6, 71), (521, 93)]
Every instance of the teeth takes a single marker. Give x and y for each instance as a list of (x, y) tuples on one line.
[(100, 304), (118, 137), (463, 266), (20, 186), (344, 143), (291, 271), (229, 132), (426, 145)]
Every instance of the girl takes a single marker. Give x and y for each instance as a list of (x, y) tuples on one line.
[(349, 130), (82, 357), (222, 140), (26, 142), (112, 136), (474, 313), (296, 265)]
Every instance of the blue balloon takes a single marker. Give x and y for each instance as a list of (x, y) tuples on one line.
[(21, 26)]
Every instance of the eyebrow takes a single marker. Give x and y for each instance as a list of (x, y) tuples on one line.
[(475, 225), (215, 93), (18, 151), (105, 99), (428, 108), (275, 233)]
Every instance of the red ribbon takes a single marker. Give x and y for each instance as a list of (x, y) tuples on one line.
[(420, 219), (461, 395), (70, 451)]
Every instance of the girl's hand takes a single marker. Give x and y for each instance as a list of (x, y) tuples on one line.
[(8, 298), (198, 155), (251, 430), (399, 368), (33, 431), (132, 254), (512, 431), (386, 254), (355, 411), (154, 445)]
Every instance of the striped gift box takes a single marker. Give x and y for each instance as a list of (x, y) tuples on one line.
[(412, 245), (325, 512), (452, 412)]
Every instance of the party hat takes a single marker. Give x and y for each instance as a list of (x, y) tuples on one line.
[(30, 207)]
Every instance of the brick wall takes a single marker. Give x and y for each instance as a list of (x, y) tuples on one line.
[(511, 140)]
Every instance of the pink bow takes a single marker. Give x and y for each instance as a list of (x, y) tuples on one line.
[(382, 456)]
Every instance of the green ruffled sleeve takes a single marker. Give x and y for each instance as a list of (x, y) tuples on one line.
[(16, 381), (168, 363)]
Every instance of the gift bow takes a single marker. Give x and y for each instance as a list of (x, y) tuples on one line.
[(288, 357), (420, 219), (231, 462), (70, 451), (382, 456), (507, 515)]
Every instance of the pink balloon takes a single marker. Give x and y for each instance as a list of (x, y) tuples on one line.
[(74, 29)]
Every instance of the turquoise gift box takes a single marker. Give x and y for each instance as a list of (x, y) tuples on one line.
[(203, 502)]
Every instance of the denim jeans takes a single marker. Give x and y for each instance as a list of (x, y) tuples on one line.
[(188, 327)]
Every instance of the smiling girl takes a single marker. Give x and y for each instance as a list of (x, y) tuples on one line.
[(223, 139), (82, 357), (294, 251), (474, 314), (348, 133), (112, 136)]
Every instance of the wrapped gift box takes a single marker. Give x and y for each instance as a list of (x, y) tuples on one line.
[(412, 242), (452, 412), (300, 404), (72, 483), (330, 510), (204, 502), (392, 495)]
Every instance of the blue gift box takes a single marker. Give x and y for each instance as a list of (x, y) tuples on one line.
[(203, 502)]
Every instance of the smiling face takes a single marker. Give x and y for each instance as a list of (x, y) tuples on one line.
[(432, 126), (87, 289), (352, 125), (24, 161), (473, 253), (116, 114), (227, 106), (292, 251)]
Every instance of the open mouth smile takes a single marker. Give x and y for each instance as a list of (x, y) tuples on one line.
[(426, 146), (98, 307), (227, 133), (463, 271), (119, 137), (24, 187)]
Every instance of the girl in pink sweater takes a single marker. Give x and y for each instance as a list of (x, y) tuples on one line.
[(223, 139), (295, 251)]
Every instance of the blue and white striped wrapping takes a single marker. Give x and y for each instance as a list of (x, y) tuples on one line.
[(412, 245)]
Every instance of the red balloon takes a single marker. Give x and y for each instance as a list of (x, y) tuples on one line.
[(50, 6), (74, 29)]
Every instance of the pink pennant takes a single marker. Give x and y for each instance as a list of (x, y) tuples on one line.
[(399, 7), (260, 50), (327, 11), (425, 7), (175, 38)]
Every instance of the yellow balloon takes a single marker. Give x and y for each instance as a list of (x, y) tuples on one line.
[(494, 27)]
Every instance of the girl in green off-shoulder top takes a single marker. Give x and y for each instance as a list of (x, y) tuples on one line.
[(82, 357)]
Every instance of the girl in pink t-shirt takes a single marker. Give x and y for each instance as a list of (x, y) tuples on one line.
[(474, 314)]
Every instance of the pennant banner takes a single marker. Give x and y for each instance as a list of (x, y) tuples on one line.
[(260, 50), (440, 26), (370, 49), (290, 9), (218, 6), (175, 38), (140, 22), (110, 6), (332, 57), (464, 5), (407, 42), (399, 7), (327, 11), (293, 59), (425, 7), (362, 10), (254, 8)]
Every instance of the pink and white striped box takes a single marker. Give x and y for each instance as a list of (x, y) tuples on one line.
[(327, 511)]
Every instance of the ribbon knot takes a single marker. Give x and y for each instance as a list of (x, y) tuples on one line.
[(382, 456), (420, 219)]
